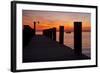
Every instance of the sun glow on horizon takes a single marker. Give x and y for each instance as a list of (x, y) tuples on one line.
[(50, 19)]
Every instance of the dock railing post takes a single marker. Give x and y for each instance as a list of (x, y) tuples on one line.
[(61, 35), (78, 38), (50, 33), (54, 34)]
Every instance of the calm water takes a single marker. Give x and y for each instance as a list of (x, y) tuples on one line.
[(69, 41)]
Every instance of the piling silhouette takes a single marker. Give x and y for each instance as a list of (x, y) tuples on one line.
[(50, 33), (78, 38), (61, 35)]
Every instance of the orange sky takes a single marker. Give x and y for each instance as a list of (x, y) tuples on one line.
[(48, 19)]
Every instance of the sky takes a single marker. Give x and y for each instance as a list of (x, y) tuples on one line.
[(49, 19)]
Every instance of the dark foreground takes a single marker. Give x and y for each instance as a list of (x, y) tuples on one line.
[(41, 48)]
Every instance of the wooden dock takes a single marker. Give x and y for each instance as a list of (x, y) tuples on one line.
[(42, 48)]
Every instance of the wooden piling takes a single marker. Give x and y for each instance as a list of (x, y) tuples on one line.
[(50, 33), (61, 35), (78, 38), (54, 34)]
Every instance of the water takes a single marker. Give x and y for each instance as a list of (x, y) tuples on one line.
[(69, 41)]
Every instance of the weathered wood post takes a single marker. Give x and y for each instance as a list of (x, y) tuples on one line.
[(78, 38), (49, 33), (61, 34), (54, 34), (44, 32)]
